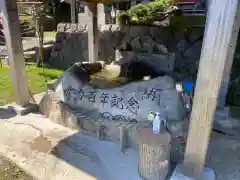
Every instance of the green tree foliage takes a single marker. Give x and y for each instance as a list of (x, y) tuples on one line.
[(146, 13)]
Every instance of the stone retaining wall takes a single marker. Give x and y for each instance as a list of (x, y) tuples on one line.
[(72, 43)]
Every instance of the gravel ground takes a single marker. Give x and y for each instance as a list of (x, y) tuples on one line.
[(9, 171)]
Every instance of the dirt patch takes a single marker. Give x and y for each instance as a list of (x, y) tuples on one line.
[(41, 144), (10, 171)]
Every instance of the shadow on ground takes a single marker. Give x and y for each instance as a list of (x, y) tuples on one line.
[(224, 157), (104, 160), (100, 159)]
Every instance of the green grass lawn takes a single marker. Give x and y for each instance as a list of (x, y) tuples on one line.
[(50, 33), (37, 80)]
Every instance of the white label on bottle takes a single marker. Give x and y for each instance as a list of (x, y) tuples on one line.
[(156, 125)]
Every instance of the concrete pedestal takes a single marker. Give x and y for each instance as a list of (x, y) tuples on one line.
[(178, 174)]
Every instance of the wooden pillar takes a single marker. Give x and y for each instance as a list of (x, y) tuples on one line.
[(101, 14), (92, 32), (214, 58), (154, 154), (13, 38), (73, 12)]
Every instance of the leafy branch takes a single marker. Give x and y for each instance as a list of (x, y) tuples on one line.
[(149, 13)]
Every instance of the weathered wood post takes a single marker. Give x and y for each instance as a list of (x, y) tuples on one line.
[(73, 11), (13, 38), (92, 32), (101, 14), (219, 32), (154, 154)]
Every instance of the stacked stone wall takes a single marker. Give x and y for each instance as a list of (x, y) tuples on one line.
[(72, 44)]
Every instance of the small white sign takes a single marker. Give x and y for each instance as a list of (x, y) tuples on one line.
[(156, 124)]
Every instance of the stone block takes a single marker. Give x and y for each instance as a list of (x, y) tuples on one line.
[(223, 114), (125, 29), (132, 135), (224, 122), (176, 128), (136, 44), (54, 55), (70, 30), (57, 46), (161, 49), (45, 104), (55, 112), (111, 131), (177, 149), (88, 125), (135, 31), (195, 34), (67, 26), (100, 131), (65, 113), (115, 28), (73, 122), (105, 28), (197, 47), (155, 32), (68, 117), (60, 36), (189, 53), (61, 27), (81, 27), (74, 27), (182, 44), (179, 60), (180, 34)]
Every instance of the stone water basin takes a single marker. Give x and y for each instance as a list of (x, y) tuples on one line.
[(90, 96), (131, 101)]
